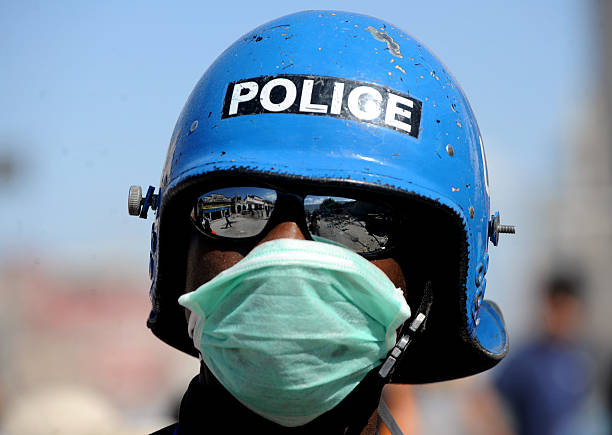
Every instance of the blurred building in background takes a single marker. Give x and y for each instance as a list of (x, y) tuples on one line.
[(580, 234), (79, 341), (577, 243)]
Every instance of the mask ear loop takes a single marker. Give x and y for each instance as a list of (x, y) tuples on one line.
[(413, 328)]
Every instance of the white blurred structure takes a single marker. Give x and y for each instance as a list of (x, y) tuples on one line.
[(62, 410)]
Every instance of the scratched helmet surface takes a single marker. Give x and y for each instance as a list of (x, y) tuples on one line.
[(352, 102)]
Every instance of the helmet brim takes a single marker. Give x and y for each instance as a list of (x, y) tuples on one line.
[(440, 356)]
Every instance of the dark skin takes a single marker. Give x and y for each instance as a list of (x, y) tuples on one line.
[(206, 259)]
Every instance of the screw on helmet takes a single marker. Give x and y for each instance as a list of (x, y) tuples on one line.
[(350, 102)]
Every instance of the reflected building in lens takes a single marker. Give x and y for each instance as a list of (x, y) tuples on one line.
[(254, 205), (214, 205)]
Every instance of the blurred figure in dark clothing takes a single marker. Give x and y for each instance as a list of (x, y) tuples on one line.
[(608, 399), (546, 382)]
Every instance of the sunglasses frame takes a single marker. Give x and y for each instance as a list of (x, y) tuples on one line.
[(301, 194)]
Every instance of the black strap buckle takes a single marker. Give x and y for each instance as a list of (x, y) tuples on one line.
[(415, 328)]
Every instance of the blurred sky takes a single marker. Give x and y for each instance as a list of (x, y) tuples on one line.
[(90, 92)]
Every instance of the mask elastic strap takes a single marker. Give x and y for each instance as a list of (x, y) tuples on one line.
[(415, 328)]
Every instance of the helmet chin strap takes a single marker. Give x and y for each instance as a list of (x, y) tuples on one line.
[(410, 331)]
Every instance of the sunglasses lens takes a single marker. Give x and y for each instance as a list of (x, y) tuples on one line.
[(234, 212), (361, 226), (242, 212)]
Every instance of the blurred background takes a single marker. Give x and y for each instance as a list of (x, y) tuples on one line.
[(89, 94)]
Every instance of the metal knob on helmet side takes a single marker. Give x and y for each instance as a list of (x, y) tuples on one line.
[(135, 200), (139, 205), (496, 228)]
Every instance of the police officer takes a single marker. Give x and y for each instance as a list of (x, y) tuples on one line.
[(348, 117)]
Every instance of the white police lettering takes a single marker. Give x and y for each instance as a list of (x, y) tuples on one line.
[(393, 111), (326, 96), (364, 102), (238, 97), (290, 94), (305, 102), (336, 106)]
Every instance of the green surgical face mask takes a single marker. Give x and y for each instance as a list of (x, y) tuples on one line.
[(294, 327)]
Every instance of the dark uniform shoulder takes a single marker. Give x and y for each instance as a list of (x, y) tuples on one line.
[(168, 430)]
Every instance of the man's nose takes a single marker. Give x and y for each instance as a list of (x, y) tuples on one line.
[(284, 230), (287, 220)]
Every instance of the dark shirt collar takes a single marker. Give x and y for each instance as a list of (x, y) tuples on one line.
[(207, 407)]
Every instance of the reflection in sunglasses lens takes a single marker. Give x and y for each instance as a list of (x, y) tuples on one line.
[(358, 225), (235, 212), (241, 212)]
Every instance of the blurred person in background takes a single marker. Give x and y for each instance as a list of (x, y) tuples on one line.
[(545, 383), (296, 331), (608, 399)]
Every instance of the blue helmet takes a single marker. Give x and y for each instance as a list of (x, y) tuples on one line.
[(344, 100)]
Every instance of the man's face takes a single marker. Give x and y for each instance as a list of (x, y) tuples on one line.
[(207, 258)]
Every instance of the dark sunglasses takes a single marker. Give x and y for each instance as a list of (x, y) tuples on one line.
[(239, 213)]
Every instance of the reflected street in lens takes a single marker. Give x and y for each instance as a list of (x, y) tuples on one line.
[(357, 225), (235, 212), (240, 212)]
